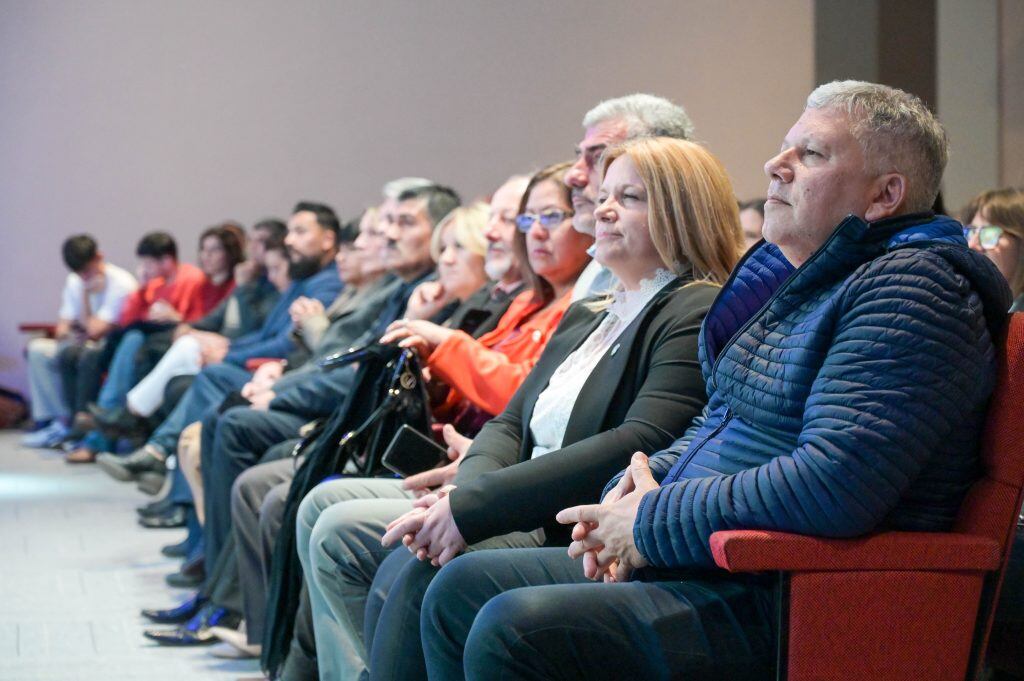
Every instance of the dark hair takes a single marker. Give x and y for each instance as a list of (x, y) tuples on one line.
[(157, 245), (325, 215), (231, 238), (79, 251), (275, 242), (238, 229), (273, 227), (440, 200), (753, 204), (349, 231), (542, 290)]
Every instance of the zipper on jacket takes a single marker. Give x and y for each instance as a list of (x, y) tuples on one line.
[(692, 450), (771, 299)]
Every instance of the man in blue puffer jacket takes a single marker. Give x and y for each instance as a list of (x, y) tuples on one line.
[(848, 363)]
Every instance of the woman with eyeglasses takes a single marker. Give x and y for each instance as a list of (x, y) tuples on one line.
[(994, 225), (620, 375), (481, 373), (488, 370)]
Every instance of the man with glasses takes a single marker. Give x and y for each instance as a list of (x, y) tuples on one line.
[(612, 122)]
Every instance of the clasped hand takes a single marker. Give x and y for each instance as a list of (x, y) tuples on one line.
[(603, 533), (428, 530)]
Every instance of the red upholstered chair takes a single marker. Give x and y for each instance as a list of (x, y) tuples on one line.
[(900, 605)]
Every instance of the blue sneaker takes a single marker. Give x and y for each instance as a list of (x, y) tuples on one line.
[(45, 438)]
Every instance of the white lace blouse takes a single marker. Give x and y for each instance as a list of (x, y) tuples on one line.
[(554, 405)]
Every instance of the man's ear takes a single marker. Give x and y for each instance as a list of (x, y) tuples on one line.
[(329, 240), (889, 195)]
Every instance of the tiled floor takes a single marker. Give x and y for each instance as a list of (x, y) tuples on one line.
[(75, 569)]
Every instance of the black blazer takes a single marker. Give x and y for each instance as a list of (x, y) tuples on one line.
[(641, 395)]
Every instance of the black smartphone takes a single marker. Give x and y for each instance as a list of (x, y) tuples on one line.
[(412, 452)]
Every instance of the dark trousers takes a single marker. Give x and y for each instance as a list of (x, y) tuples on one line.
[(531, 614), (258, 507), (248, 497), (391, 621), (80, 374), (242, 436)]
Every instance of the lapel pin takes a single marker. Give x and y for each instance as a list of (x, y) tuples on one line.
[(614, 350)]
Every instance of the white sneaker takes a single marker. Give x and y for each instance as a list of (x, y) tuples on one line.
[(235, 638)]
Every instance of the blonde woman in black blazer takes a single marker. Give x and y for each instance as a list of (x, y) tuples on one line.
[(668, 228)]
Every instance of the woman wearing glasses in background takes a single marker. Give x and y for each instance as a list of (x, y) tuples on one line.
[(487, 371), (994, 225)]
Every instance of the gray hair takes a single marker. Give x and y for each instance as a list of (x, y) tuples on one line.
[(896, 132), (644, 115), (395, 188)]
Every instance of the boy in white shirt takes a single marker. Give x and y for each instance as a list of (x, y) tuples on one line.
[(94, 293)]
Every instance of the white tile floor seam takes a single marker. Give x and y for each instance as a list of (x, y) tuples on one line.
[(75, 569)]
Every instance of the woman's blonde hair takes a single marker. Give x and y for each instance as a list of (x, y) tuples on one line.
[(692, 211), (1003, 208), (469, 224)]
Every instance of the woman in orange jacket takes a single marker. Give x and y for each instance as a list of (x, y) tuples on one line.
[(486, 371)]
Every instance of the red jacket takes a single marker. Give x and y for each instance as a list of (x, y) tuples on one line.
[(189, 292), (488, 370)]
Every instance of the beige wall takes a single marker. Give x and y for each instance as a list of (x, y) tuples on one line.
[(122, 116), (1011, 77)]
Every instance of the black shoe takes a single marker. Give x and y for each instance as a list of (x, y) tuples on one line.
[(117, 422), (178, 615), (179, 550), (195, 632), (191, 574), (151, 483), (173, 518), (128, 468), (155, 508)]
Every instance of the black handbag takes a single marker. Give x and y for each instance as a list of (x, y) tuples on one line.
[(388, 393)]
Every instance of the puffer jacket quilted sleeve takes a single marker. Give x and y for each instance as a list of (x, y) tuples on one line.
[(911, 360)]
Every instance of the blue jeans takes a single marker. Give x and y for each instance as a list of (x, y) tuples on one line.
[(212, 385), (121, 374)]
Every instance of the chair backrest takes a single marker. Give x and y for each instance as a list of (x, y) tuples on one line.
[(993, 503)]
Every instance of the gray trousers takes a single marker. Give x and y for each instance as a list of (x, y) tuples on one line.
[(257, 509), (44, 380), (338, 531)]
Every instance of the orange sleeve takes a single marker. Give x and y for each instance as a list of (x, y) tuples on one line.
[(487, 377)]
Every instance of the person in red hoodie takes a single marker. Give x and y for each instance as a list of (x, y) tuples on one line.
[(171, 292)]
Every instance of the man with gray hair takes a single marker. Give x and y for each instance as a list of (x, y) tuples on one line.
[(609, 123), (848, 362)]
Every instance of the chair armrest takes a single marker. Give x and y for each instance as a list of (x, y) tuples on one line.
[(757, 550), (254, 363), (44, 328)]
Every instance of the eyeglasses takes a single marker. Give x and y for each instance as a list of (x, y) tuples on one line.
[(547, 219), (988, 235)]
